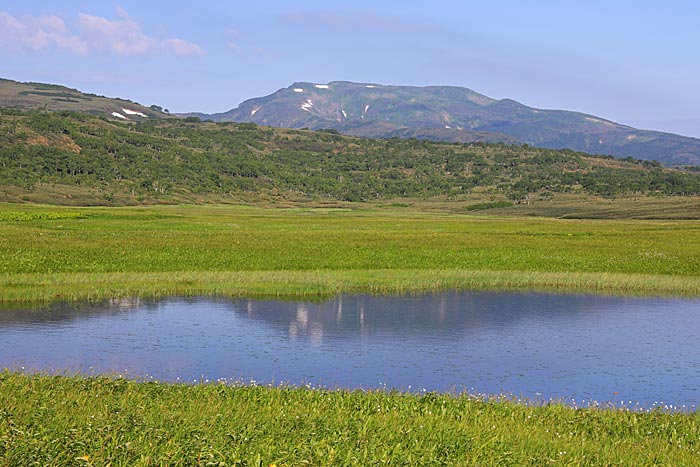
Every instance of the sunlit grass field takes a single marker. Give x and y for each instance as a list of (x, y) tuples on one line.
[(67, 253), (75, 421)]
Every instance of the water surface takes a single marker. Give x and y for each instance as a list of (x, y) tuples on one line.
[(530, 345)]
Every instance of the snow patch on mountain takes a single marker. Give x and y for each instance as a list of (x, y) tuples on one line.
[(134, 112), (307, 105)]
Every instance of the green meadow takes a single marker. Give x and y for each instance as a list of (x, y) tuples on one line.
[(66, 253), (99, 421), (50, 253)]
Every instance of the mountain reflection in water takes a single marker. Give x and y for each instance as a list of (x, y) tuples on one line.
[(586, 347), (453, 313)]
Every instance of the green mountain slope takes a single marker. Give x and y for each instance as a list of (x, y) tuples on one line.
[(454, 114), (175, 159), (40, 96)]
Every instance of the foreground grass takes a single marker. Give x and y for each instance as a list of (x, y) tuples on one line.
[(62, 421), (49, 253)]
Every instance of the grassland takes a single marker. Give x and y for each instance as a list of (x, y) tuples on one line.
[(69, 253), (73, 421), (60, 253)]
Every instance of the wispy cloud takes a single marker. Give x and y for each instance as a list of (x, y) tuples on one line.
[(232, 42), (182, 47), (29, 33), (232, 38), (357, 22), (91, 35)]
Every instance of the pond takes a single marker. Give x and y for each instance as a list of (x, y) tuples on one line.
[(538, 346)]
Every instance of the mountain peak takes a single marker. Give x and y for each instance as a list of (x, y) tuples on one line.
[(452, 113)]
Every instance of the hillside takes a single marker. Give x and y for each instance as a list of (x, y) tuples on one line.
[(436, 113), (40, 96), (63, 154), (446, 113)]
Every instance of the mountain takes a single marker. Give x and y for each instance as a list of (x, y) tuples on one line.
[(447, 113), (438, 113), (40, 96)]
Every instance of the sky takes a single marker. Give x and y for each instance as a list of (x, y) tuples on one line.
[(634, 62)]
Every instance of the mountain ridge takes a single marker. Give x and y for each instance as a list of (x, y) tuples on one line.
[(437, 113), (55, 97), (452, 113)]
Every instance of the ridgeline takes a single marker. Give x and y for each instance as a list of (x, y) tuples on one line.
[(450, 113)]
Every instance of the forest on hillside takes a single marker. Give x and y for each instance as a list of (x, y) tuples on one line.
[(178, 156)]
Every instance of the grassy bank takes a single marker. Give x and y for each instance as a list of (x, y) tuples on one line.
[(49, 253), (53, 420), (38, 288)]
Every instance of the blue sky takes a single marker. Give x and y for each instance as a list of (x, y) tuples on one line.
[(634, 62)]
